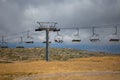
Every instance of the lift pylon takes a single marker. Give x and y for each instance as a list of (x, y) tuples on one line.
[(47, 26)]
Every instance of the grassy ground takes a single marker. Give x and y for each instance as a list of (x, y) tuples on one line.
[(8, 71)]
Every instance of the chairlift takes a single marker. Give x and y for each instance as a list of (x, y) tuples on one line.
[(20, 44), (76, 37), (58, 38), (4, 44), (29, 38), (94, 37), (114, 37)]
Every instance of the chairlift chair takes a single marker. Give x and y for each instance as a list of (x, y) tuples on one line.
[(115, 37), (58, 38), (76, 37), (4, 46), (3, 43), (20, 44), (29, 38), (94, 37)]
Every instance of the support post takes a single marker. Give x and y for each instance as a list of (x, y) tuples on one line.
[(47, 28), (47, 45)]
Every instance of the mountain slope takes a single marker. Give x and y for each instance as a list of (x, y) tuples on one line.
[(20, 54)]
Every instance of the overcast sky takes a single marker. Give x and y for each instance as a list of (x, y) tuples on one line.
[(21, 15)]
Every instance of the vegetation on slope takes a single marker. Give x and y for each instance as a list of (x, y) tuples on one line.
[(19, 54)]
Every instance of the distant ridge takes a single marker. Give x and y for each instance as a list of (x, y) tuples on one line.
[(112, 48)]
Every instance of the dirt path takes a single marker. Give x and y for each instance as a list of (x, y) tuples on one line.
[(69, 74)]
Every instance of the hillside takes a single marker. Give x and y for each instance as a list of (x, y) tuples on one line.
[(8, 55), (65, 64)]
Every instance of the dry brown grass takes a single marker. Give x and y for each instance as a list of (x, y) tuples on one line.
[(110, 63), (80, 64)]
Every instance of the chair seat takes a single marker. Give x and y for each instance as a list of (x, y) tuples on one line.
[(76, 40), (116, 40), (94, 40)]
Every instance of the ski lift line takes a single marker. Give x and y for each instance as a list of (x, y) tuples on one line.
[(19, 33), (86, 27), (63, 28), (103, 26), (19, 36), (66, 28), (14, 38)]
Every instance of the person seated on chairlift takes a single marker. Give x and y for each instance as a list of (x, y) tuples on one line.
[(58, 40)]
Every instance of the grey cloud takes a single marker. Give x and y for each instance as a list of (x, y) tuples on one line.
[(10, 16), (23, 14), (98, 12)]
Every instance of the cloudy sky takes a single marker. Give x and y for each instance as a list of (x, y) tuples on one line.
[(21, 15)]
